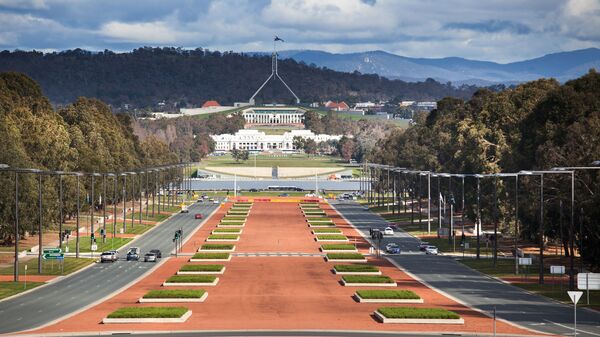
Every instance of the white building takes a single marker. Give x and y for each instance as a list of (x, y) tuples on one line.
[(273, 116), (255, 140)]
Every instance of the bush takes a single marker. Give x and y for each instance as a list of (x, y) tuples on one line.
[(175, 294), (226, 230), (148, 312), (220, 256), (223, 237), (210, 246), (424, 313), (191, 279), (332, 237), (355, 268), (338, 247), (388, 294), (202, 267), (345, 256), (367, 279), (327, 231)]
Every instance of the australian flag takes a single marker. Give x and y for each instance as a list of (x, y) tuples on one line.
[(278, 39)]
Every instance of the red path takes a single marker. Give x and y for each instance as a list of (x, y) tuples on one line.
[(277, 292)]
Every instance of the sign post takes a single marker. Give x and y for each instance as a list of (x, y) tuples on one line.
[(525, 261), (575, 296), (25, 283)]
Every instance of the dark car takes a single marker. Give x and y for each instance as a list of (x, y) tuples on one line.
[(253, 190), (394, 227), (133, 254), (423, 245), (198, 216), (156, 252)]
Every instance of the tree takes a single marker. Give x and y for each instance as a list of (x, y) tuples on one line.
[(346, 148), (310, 146), (238, 155), (298, 142)]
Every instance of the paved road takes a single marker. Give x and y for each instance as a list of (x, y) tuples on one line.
[(474, 288), (72, 293), (307, 185)]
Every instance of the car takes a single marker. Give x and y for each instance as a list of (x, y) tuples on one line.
[(423, 245), (216, 202), (431, 250), (394, 227), (200, 200), (133, 254), (204, 196), (156, 252), (392, 248), (198, 216), (109, 256), (211, 199), (253, 190), (388, 231), (150, 257), (284, 195)]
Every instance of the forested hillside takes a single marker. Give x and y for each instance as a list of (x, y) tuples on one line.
[(146, 76), (537, 125)]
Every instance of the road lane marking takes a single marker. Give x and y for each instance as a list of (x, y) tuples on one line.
[(571, 328)]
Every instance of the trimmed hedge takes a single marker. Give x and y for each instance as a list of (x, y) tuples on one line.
[(226, 230), (202, 267), (327, 231), (231, 223), (223, 236), (319, 219), (345, 256), (191, 279), (322, 224), (338, 247), (209, 246), (367, 279), (355, 268), (148, 312), (387, 294), (332, 237), (424, 313), (220, 256), (175, 293), (233, 217)]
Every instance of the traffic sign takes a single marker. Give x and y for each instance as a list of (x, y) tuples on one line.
[(53, 256), (589, 281), (525, 261), (575, 296), (94, 247), (557, 270), (51, 250)]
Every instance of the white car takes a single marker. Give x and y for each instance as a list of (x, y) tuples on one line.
[(431, 250), (216, 201), (388, 231)]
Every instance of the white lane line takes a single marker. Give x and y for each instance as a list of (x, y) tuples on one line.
[(570, 327)]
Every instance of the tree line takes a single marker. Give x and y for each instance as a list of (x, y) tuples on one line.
[(534, 126)]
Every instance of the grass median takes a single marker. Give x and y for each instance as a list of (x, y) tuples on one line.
[(355, 268), (148, 312), (367, 279), (191, 279), (345, 256), (202, 267), (226, 230), (50, 267), (418, 313), (183, 293), (217, 246), (332, 237), (10, 288), (223, 237), (388, 295), (327, 231), (338, 247), (211, 256), (85, 244)]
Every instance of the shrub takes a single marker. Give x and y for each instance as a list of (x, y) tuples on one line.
[(355, 268), (367, 279), (210, 246), (191, 279), (332, 237), (175, 293), (388, 294), (223, 236), (345, 256), (338, 247), (424, 313), (202, 267), (220, 256), (148, 312)]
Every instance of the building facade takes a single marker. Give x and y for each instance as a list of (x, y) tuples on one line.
[(273, 116), (255, 140)]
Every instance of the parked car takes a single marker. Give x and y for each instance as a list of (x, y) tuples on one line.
[(431, 250), (156, 252), (150, 257), (133, 254), (392, 248), (184, 209), (253, 190), (109, 256), (198, 216), (423, 245), (388, 231)]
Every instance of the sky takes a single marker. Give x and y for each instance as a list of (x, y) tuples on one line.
[(492, 30)]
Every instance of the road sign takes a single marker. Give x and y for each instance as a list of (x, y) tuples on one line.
[(51, 250), (560, 270), (588, 281), (53, 256), (575, 296), (525, 261), (94, 248)]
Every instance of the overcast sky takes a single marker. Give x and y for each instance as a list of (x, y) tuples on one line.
[(496, 30)]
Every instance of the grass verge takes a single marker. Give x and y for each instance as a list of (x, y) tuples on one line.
[(191, 279), (345, 256), (422, 313), (226, 230), (85, 244), (202, 267), (388, 294), (332, 237), (223, 237), (215, 256), (217, 246), (355, 268), (187, 293), (338, 247), (12, 288), (367, 279), (327, 231), (148, 312), (71, 264)]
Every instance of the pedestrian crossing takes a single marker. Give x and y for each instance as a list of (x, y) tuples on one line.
[(263, 254)]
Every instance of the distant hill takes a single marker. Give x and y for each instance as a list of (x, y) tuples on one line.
[(180, 78), (563, 66)]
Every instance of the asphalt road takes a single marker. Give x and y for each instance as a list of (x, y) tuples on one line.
[(54, 301), (246, 184), (473, 288)]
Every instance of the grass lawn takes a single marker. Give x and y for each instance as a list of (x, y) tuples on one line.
[(209, 246), (293, 160), (137, 229), (175, 293), (233, 217), (227, 230), (355, 268), (71, 264), (425, 313), (504, 267), (191, 279), (220, 256), (11, 288), (157, 216), (367, 279), (345, 256), (84, 244), (327, 231), (338, 247), (148, 312), (202, 267), (223, 237), (444, 246), (388, 294), (555, 291), (321, 224), (319, 219), (332, 237)]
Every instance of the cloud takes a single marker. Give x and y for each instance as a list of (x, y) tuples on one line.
[(157, 32), (23, 4), (491, 26)]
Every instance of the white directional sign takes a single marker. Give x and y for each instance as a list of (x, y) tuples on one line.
[(525, 261), (589, 281), (575, 296), (94, 247), (560, 270)]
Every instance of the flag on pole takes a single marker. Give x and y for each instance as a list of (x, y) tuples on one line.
[(277, 38)]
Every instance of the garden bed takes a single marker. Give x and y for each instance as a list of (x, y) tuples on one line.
[(387, 296), (171, 296), (321, 225), (227, 231), (337, 248), (148, 315), (199, 257), (356, 269), (223, 237), (410, 315), (331, 237), (345, 257), (201, 269), (231, 225), (327, 231), (217, 247), (191, 281), (368, 280)]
